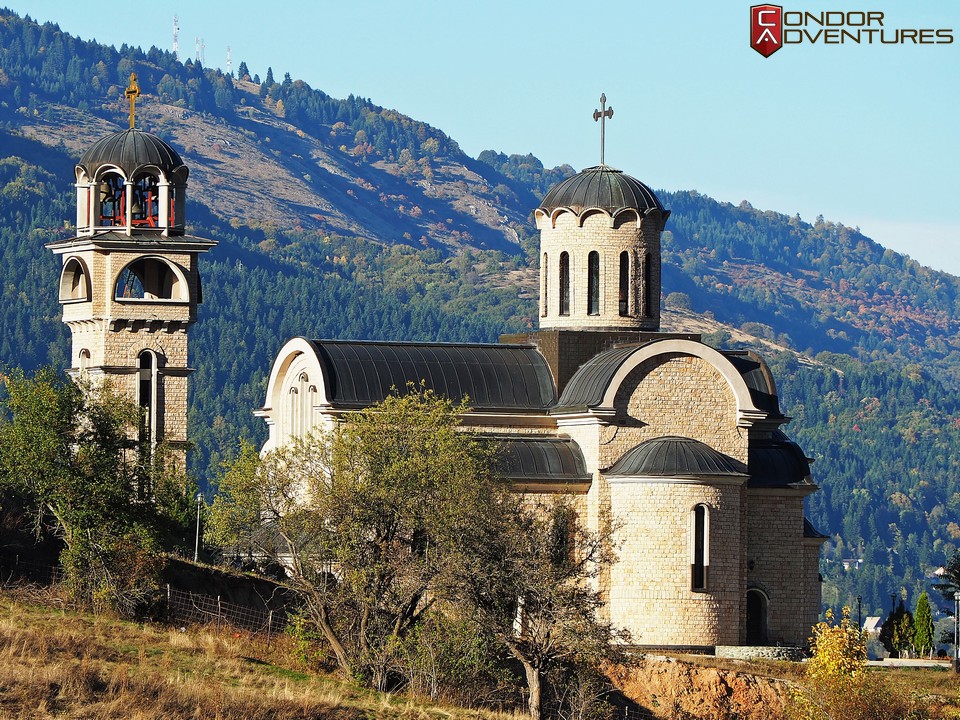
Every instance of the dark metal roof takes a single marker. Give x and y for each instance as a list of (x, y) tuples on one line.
[(809, 531), (757, 376), (777, 462), (601, 187), (541, 459), (493, 377), (588, 384), (131, 150), (673, 456)]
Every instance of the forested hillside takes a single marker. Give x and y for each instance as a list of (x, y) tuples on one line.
[(340, 218)]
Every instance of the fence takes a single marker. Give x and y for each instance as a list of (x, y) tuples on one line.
[(179, 605), (14, 568), (190, 607)]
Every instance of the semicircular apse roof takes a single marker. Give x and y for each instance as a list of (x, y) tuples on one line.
[(778, 462), (510, 378), (603, 187), (131, 150), (673, 456)]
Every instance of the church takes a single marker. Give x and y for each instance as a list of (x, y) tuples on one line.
[(680, 442)]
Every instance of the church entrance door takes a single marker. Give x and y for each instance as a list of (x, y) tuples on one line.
[(756, 618)]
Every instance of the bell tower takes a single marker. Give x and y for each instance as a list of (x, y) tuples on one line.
[(130, 283)]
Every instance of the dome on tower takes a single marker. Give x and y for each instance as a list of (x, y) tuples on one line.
[(130, 151), (602, 187)]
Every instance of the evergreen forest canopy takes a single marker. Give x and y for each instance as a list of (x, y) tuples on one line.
[(864, 342)]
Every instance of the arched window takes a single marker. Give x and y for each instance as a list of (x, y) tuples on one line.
[(293, 412), (545, 291), (564, 284), (83, 360), (113, 201), (699, 548), (624, 291), (147, 397), (593, 283)]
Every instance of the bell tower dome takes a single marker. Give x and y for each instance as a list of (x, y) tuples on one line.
[(599, 265), (130, 283), (600, 253)]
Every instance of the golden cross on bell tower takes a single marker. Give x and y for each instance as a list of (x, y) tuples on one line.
[(602, 115), (132, 92)]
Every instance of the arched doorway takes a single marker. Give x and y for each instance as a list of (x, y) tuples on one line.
[(756, 617)]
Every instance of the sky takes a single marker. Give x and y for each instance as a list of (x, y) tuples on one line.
[(863, 134)]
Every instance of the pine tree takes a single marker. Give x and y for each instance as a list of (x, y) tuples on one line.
[(923, 626)]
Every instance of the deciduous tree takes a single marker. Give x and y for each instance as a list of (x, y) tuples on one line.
[(68, 449), (365, 519)]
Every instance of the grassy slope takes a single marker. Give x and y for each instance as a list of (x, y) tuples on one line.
[(55, 663)]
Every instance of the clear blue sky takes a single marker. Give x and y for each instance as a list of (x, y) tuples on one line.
[(865, 135)]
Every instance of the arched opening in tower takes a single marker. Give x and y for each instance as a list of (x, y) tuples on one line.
[(145, 210), (149, 279), (113, 200)]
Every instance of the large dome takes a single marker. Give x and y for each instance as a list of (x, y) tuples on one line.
[(601, 187), (131, 150)]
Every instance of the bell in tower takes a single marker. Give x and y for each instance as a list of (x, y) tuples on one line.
[(130, 283)]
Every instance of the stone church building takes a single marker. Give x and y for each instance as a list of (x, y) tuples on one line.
[(681, 442)]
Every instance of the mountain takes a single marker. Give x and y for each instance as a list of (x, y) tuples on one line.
[(340, 218)]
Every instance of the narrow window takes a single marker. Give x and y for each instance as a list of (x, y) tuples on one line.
[(84, 360), (545, 294), (647, 289), (293, 411), (624, 293), (564, 284), (147, 398), (700, 561), (593, 283)]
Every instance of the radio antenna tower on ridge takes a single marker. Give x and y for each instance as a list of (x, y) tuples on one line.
[(176, 38), (229, 64), (200, 48)]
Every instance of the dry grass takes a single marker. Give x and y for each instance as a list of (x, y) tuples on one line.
[(56, 663)]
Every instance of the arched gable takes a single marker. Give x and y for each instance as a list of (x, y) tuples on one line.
[(297, 356), (746, 411)]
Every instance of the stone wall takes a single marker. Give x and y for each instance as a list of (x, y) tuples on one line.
[(778, 564), (650, 585), (641, 240)]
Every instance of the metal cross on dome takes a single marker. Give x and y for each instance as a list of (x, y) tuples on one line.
[(132, 92), (602, 115)]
